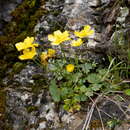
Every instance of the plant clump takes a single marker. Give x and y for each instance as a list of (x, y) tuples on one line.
[(73, 80)]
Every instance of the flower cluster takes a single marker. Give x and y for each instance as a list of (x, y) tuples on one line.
[(58, 37), (27, 47)]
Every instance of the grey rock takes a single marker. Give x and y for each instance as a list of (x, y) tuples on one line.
[(25, 76)]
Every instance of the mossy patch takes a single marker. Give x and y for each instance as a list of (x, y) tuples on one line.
[(17, 67), (25, 17)]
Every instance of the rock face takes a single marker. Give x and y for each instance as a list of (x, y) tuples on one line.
[(29, 106), (27, 110), (73, 15)]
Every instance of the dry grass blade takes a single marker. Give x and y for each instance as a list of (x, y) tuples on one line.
[(89, 114), (103, 128)]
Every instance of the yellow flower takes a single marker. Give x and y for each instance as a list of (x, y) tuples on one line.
[(51, 52), (70, 67), (44, 57), (58, 37), (75, 43), (87, 31), (28, 42), (28, 54)]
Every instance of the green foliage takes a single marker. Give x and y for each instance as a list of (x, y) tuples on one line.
[(127, 92), (86, 67), (72, 88), (93, 78), (55, 93), (112, 123)]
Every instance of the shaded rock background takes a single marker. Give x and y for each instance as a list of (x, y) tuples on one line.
[(28, 104), (6, 7)]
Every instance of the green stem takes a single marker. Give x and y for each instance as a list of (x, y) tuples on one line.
[(38, 63)]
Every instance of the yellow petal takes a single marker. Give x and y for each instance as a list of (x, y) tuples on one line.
[(87, 27), (51, 52), (70, 67), (29, 40), (59, 37), (51, 37), (28, 43), (35, 44), (44, 57), (28, 54), (66, 33), (19, 46), (76, 43), (91, 32), (57, 33), (78, 34), (87, 31)]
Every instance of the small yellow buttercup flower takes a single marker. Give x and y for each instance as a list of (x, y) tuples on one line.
[(27, 43), (76, 43), (87, 31), (28, 54), (70, 67), (51, 52), (45, 55), (58, 37)]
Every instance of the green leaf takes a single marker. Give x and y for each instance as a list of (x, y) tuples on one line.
[(102, 72), (61, 63), (59, 77), (64, 92), (55, 92), (127, 92), (93, 78), (96, 87), (83, 88), (86, 67), (75, 77), (52, 67), (83, 97), (80, 97), (89, 92)]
